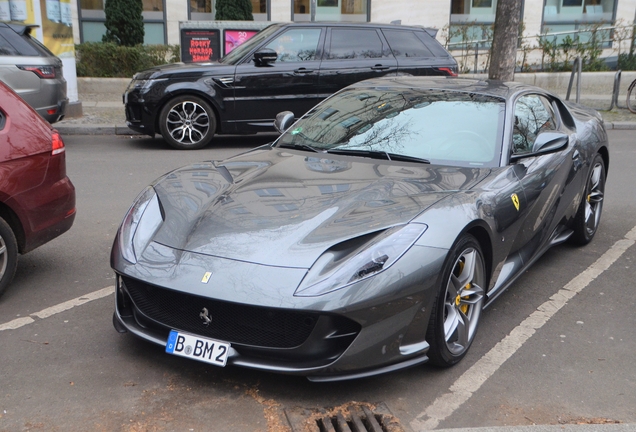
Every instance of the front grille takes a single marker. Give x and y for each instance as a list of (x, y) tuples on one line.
[(231, 322), (133, 113)]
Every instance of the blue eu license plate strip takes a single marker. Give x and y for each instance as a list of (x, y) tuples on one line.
[(198, 348)]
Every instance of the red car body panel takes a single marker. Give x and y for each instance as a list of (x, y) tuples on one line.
[(37, 198)]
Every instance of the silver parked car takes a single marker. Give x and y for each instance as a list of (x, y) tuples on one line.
[(32, 71), (369, 236)]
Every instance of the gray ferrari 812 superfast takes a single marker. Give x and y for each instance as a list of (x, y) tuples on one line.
[(369, 236)]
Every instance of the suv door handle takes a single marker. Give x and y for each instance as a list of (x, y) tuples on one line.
[(303, 71), (379, 67)]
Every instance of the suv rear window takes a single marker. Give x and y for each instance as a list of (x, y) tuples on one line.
[(406, 44), (354, 43), (14, 44), (432, 44)]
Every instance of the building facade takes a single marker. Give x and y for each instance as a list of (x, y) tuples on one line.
[(456, 18)]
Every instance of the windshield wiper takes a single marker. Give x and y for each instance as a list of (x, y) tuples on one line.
[(377, 154), (300, 147), (406, 158)]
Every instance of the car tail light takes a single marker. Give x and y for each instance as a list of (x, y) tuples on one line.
[(45, 72), (447, 71), (57, 143)]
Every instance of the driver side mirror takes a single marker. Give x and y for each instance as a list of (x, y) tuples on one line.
[(283, 121), (546, 142), (265, 56)]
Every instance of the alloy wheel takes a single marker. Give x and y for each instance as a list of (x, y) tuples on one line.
[(463, 301), (188, 122), (4, 257), (594, 200)]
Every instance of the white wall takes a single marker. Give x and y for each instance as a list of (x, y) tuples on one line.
[(281, 10), (176, 10)]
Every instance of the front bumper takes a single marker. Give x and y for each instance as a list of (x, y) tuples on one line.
[(140, 115), (350, 333)]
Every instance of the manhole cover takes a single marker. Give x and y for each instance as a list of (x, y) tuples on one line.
[(352, 417)]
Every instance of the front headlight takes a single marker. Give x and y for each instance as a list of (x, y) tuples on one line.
[(351, 262), (144, 84), (135, 234)]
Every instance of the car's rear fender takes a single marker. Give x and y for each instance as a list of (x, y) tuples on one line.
[(13, 220)]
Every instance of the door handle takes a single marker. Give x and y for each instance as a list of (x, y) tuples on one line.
[(303, 71), (379, 67)]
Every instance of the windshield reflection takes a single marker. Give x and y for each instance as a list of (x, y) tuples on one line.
[(442, 126)]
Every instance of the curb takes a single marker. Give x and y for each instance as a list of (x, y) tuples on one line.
[(616, 427), (99, 129)]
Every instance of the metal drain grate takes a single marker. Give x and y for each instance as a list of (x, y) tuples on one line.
[(354, 417)]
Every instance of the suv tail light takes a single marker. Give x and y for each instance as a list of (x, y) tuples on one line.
[(447, 71), (45, 72), (56, 143)]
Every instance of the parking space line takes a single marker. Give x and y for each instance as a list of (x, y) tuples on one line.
[(50, 311), (471, 380)]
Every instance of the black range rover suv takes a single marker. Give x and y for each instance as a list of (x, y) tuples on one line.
[(285, 67)]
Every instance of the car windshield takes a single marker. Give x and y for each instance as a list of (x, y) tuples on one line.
[(240, 51), (439, 126)]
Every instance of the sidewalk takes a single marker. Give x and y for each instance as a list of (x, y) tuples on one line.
[(103, 109)]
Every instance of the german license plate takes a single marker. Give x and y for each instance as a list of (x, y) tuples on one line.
[(198, 348)]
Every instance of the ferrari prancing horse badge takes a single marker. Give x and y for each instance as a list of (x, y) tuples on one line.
[(515, 200)]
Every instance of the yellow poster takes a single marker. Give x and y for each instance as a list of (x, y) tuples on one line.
[(57, 27)]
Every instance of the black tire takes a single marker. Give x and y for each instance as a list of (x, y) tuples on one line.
[(459, 303), (8, 255), (187, 122), (631, 97), (588, 216)]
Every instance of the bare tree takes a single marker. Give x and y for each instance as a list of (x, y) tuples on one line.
[(504, 45)]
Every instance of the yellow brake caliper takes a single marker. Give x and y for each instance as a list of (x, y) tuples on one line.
[(458, 299)]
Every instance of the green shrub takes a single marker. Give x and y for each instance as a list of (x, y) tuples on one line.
[(627, 62), (124, 22), (234, 10), (99, 59)]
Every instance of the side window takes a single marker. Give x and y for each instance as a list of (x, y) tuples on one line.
[(296, 45), (6, 48), (354, 44), (406, 44), (436, 48), (533, 115), (20, 44)]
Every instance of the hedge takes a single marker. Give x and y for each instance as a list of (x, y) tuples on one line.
[(108, 60)]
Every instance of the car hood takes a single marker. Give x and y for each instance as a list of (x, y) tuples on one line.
[(283, 207), (175, 70)]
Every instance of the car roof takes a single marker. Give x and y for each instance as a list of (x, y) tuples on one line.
[(351, 24), (500, 89)]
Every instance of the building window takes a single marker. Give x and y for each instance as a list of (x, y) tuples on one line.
[(201, 10), (92, 18), (472, 21), (331, 10), (573, 17), (259, 10)]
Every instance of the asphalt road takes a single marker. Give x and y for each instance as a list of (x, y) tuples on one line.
[(539, 357)]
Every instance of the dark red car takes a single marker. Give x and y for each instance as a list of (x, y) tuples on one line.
[(37, 199)]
